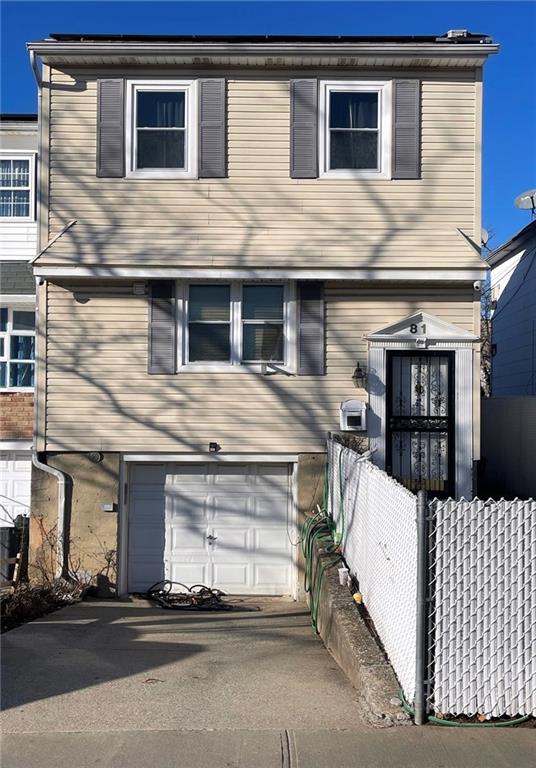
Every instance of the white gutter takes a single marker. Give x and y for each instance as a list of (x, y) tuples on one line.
[(60, 526), (122, 48)]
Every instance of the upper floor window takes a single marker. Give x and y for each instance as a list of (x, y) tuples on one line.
[(355, 129), (238, 323), (16, 187), (17, 348), (161, 136)]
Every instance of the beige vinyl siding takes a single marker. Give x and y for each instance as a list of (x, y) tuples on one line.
[(259, 216), (100, 396)]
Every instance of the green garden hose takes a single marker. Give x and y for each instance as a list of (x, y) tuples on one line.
[(318, 530), (456, 724)]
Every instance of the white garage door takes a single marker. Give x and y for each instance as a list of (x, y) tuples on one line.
[(15, 485), (226, 526)]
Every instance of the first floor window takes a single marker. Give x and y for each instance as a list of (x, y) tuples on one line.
[(161, 115), (234, 323), (17, 348), (209, 323), (15, 188), (355, 128), (263, 332)]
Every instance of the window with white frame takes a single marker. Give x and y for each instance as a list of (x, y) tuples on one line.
[(17, 348), (161, 135), (355, 129), (237, 323), (16, 187)]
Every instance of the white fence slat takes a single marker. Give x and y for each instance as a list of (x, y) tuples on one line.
[(483, 628)]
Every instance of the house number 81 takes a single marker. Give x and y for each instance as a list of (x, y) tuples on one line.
[(414, 328)]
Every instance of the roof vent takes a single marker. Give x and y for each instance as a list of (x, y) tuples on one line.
[(452, 33)]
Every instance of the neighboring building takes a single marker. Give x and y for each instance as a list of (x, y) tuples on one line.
[(231, 224), (509, 416), (513, 296), (18, 239)]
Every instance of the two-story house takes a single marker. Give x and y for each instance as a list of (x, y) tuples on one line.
[(18, 240), (236, 236)]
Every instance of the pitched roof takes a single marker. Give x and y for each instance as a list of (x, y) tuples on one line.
[(512, 246)]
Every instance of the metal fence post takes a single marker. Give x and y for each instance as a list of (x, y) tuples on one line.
[(422, 593)]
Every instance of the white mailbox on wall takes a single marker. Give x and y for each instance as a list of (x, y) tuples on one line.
[(353, 416)]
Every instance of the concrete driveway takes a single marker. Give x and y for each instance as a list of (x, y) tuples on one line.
[(130, 685), (108, 666)]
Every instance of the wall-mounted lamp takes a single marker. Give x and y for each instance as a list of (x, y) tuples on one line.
[(359, 377)]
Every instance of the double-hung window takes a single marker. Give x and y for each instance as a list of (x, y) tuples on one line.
[(237, 324), (17, 348), (16, 184), (161, 136), (355, 129)]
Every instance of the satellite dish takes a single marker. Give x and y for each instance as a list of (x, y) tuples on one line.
[(526, 201), (484, 236)]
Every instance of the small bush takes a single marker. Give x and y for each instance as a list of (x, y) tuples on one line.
[(27, 602)]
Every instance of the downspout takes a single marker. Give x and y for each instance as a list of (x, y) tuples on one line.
[(56, 473), (35, 69), (60, 530)]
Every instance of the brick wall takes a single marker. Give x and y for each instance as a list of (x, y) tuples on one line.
[(16, 415)]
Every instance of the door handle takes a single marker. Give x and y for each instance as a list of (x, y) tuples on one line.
[(211, 538)]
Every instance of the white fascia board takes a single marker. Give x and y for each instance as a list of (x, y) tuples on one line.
[(17, 298), (150, 273), (203, 458), (52, 48), (16, 445)]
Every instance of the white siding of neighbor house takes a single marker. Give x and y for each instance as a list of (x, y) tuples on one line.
[(18, 239), (99, 395), (259, 216), (513, 286)]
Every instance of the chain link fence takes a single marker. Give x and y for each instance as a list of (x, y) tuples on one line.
[(449, 585), (481, 628), (375, 517)]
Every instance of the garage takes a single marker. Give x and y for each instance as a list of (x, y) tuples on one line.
[(224, 525), (15, 485)]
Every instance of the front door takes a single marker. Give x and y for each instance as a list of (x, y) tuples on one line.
[(420, 420)]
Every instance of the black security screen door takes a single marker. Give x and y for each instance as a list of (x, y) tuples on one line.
[(420, 420)]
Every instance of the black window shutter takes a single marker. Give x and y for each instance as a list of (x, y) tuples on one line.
[(406, 129), (162, 327), (110, 128), (311, 332), (304, 129), (212, 129)]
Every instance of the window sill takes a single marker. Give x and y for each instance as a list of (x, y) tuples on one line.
[(161, 175), (10, 390), (17, 219), (265, 369), (342, 174)]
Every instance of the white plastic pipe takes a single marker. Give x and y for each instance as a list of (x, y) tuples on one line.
[(60, 530)]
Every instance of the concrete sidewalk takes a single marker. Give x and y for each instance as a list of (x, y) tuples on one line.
[(115, 684), (402, 747)]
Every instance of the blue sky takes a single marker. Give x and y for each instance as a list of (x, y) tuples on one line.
[(509, 90)]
